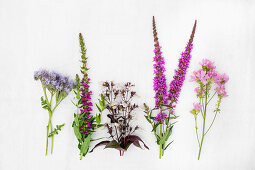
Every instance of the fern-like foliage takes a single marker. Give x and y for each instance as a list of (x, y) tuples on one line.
[(56, 130)]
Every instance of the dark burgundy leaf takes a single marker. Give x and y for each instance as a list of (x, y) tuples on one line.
[(114, 144), (137, 144), (133, 138), (100, 144)]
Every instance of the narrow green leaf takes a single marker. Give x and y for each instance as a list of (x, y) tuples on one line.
[(98, 108), (98, 119), (77, 132), (76, 120), (101, 103), (166, 135), (85, 145), (168, 145), (154, 127), (147, 119)]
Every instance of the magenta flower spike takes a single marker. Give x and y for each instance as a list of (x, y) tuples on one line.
[(180, 73), (85, 123), (159, 81), (165, 101)]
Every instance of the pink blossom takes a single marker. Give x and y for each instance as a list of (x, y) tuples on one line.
[(197, 90), (207, 63), (201, 75), (193, 76), (221, 91), (221, 79), (197, 106)]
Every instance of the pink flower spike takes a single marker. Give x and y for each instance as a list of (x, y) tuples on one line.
[(197, 106)]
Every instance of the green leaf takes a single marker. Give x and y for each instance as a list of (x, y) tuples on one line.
[(45, 104), (166, 135), (98, 108), (169, 132), (103, 99), (76, 120), (154, 127), (77, 132), (104, 107), (174, 117), (147, 118), (98, 119), (101, 103), (78, 96), (85, 145), (168, 145), (56, 130), (73, 103), (79, 102)]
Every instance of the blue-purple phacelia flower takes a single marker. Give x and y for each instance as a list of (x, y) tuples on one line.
[(55, 82)]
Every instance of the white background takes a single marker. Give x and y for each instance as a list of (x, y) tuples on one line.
[(38, 34)]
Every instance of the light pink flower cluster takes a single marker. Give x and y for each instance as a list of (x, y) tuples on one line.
[(208, 74)]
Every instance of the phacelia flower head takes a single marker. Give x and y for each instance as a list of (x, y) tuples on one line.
[(53, 81)]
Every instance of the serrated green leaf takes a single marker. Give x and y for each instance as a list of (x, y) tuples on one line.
[(56, 130)]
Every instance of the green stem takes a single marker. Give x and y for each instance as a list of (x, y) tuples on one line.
[(203, 133), (160, 146), (47, 128), (211, 98), (56, 105), (211, 123), (51, 137), (163, 146), (196, 129)]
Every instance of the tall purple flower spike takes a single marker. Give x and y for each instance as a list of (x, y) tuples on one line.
[(86, 104), (159, 84), (179, 77)]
